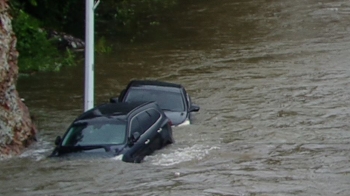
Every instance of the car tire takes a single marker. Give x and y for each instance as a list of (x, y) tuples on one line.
[(168, 138), (138, 159)]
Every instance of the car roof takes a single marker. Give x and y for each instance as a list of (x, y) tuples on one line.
[(154, 84), (112, 109)]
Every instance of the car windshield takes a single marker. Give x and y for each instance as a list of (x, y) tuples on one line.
[(96, 133), (166, 100)]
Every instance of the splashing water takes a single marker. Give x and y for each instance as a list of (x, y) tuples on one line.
[(196, 152)]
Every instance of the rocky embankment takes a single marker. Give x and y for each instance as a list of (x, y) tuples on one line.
[(17, 130)]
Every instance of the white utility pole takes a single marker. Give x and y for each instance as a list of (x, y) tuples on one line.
[(90, 6)]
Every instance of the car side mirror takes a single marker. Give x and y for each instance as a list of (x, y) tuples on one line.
[(58, 140), (113, 100), (194, 108), (135, 136)]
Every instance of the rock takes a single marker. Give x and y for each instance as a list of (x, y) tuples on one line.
[(17, 130), (66, 41)]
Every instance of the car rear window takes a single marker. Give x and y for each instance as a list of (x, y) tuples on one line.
[(172, 101)]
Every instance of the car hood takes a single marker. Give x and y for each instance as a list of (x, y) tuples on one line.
[(176, 118), (93, 151)]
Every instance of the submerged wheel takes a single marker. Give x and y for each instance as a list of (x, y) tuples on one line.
[(169, 139), (138, 159)]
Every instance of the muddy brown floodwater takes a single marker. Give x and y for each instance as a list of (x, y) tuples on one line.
[(273, 82)]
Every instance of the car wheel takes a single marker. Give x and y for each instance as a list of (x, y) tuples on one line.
[(169, 139), (138, 159)]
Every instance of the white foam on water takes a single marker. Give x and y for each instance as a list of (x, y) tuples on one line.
[(37, 154), (196, 152), (187, 122), (118, 158), (38, 151)]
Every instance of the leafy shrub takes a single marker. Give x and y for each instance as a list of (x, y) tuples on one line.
[(36, 51)]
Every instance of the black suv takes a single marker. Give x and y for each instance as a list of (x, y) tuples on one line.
[(133, 130), (172, 98)]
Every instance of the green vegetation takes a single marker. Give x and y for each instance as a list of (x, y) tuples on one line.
[(129, 19), (101, 46), (37, 52)]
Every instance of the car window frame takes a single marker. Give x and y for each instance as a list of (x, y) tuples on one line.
[(188, 100), (135, 118)]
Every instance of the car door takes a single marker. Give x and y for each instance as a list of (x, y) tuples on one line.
[(152, 134), (140, 146), (156, 129), (144, 125)]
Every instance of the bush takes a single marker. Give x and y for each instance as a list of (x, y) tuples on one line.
[(36, 51)]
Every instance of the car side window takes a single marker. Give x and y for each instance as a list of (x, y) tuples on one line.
[(135, 126), (145, 119), (154, 114), (141, 122), (188, 99)]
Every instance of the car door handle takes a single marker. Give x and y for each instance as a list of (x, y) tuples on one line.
[(147, 141), (160, 130)]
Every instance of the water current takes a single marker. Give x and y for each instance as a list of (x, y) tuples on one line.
[(272, 79)]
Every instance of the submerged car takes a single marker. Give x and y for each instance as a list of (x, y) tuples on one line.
[(172, 98), (133, 130)]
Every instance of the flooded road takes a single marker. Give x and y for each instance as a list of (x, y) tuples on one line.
[(272, 79)]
